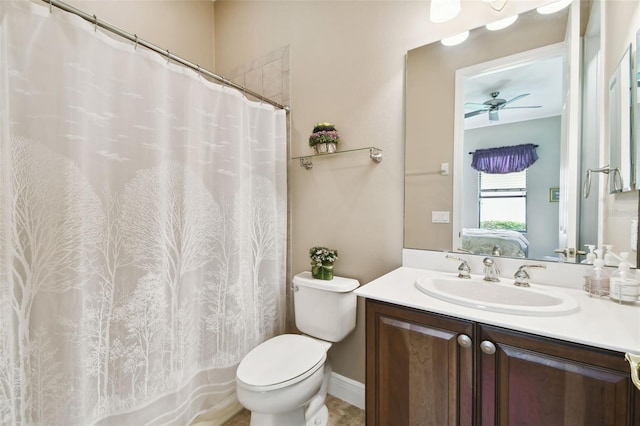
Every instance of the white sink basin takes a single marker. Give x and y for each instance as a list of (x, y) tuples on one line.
[(501, 297)]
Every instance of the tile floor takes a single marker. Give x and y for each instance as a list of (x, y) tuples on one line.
[(340, 414)]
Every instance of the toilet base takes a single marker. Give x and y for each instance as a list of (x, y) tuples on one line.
[(320, 419), (291, 418)]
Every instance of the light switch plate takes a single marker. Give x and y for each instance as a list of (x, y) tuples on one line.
[(439, 217)]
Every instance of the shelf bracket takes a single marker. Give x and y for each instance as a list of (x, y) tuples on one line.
[(306, 163), (375, 154)]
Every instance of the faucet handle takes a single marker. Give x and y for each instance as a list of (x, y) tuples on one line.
[(522, 275), (464, 271)]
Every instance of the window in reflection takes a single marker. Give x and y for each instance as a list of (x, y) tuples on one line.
[(503, 201)]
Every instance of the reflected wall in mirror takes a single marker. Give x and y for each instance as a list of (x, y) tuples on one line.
[(620, 114), (431, 130), (508, 208), (635, 72)]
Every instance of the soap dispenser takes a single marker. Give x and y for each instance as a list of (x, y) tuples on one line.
[(610, 258), (591, 256), (624, 285), (596, 280)]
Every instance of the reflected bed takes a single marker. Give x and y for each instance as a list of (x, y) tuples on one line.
[(483, 241)]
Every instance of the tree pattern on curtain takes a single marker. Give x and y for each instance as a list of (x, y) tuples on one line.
[(142, 229)]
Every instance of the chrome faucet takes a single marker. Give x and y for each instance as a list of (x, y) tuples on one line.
[(522, 275), (491, 271), (464, 271)]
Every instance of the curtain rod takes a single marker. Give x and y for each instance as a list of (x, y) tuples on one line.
[(535, 146), (170, 56)]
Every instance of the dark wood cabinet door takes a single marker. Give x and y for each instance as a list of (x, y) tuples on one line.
[(532, 380), (417, 371)]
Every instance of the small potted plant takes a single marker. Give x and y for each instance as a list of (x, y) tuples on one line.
[(322, 259), (324, 139)]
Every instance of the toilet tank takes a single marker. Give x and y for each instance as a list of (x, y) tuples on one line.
[(325, 309)]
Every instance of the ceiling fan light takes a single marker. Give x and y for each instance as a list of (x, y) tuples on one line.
[(456, 39), (554, 7), (443, 10), (493, 115), (502, 23)]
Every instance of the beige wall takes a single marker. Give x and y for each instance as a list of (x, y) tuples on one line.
[(347, 67), (183, 27)]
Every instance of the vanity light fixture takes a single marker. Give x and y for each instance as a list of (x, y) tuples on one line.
[(443, 10), (502, 23), (456, 39), (496, 5), (554, 7)]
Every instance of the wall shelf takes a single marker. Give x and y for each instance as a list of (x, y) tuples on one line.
[(306, 160)]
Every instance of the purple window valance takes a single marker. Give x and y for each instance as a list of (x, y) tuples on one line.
[(505, 159)]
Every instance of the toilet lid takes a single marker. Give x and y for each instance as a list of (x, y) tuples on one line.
[(280, 360)]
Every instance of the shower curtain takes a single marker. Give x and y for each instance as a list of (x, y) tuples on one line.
[(142, 228)]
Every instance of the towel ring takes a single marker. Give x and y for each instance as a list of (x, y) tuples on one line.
[(617, 178)]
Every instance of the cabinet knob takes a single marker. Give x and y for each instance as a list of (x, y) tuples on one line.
[(464, 341), (488, 348)]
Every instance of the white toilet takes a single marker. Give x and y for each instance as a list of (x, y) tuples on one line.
[(283, 381)]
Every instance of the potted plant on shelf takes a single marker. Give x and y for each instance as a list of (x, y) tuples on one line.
[(322, 259), (324, 139)]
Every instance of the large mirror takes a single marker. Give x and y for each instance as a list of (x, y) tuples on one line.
[(620, 114), (526, 65)]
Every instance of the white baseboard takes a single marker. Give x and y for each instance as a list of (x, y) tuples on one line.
[(347, 390)]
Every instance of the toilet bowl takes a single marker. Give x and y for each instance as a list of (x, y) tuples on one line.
[(283, 381), (277, 380)]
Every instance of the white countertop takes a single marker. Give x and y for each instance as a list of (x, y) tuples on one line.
[(599, 322)]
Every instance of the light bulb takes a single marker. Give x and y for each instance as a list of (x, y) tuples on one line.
[(502, 23), (456, 39), (554, 7), (444, 10)]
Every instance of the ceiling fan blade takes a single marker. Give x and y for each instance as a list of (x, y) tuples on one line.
[(520, 107), (474, 113), (516, 98), (474, 104), (493, 115)]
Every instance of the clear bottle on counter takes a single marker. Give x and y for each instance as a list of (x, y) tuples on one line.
[(624, 285), (596, 280), (591, 256)]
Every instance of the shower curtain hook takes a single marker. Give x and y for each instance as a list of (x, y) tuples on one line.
[(199, 73), (50, 7), (95, 23), (135, 47), (168, 56)]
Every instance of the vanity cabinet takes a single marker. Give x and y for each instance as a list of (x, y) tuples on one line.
[(422, 370), (531, 380), (418, 373)]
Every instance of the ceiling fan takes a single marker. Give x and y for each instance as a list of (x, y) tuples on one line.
[(495, 104)]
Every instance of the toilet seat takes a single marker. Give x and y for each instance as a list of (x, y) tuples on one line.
[(281, 361)]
